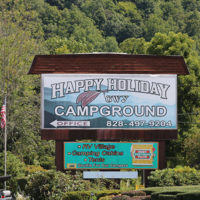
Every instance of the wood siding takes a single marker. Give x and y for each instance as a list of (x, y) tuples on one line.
[(108, 63)]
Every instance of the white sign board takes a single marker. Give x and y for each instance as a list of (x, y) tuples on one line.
[(109, 174), (109, 101)]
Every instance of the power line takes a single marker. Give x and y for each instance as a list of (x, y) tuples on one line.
[(188, 114), (188, 123)]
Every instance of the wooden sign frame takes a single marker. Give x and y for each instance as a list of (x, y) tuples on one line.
[(108, 63)]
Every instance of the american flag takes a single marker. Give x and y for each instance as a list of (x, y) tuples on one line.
[(3, 115)]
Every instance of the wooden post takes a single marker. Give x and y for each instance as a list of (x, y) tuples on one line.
[(59, 155), (161, 163), (162, 154)]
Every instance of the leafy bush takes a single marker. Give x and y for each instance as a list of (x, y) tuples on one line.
[(107, 193), (188, 196), (157, 196), (175, 196), (15, 168), (110, 197), (22, 182), (134, 193), (104, 184), (77, 196), (34, 168), (122, 197), (129, 184), (29, 169), (167, 197), (174, 177), (53, 184)]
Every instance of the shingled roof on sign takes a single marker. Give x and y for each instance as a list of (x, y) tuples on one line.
[(110, 63)]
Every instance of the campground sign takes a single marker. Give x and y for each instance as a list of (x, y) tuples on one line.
[(109, 97), (109, 101)]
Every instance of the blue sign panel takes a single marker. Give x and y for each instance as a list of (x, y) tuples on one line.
[(109, 101), (110, 155)]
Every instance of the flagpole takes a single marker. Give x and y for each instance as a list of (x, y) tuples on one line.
[(5, 149)]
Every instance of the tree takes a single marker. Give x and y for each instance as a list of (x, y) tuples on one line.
[(146, 6), (181, 44), (108, 18), (155, 24), (50, 17), (191, 146), (193, 24), (16, 54), (52, 184), (191, 5), (188, 93), (129, 9), (174, 10), (57, 45), (62, 4), (134, 46), (110, 45), (23, 14), (15, 168)]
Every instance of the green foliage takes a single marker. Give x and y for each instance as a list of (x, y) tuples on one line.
[(181, 44), (192, 147), (176, 192), (134, 193), (53, 184), (104, 193), (106, 198), (34, 168), (23, 14), (187, 145), (147, 6), (21, 182), (188, 196), (129, 8), (174, 177), (163, 196), (172, 189), (155, 24), (91, 195), (59, 3), (16, 53), (110, 20), (134, 46), (129, 184), (110, 45), (103, 184), (56, 44), (175, 196), (15, 168), (121, 197), (77, 196), (171, 44), (76, 26)]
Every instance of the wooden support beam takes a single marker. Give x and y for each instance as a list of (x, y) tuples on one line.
[(107, 134), (59, 155), (162, 161)]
